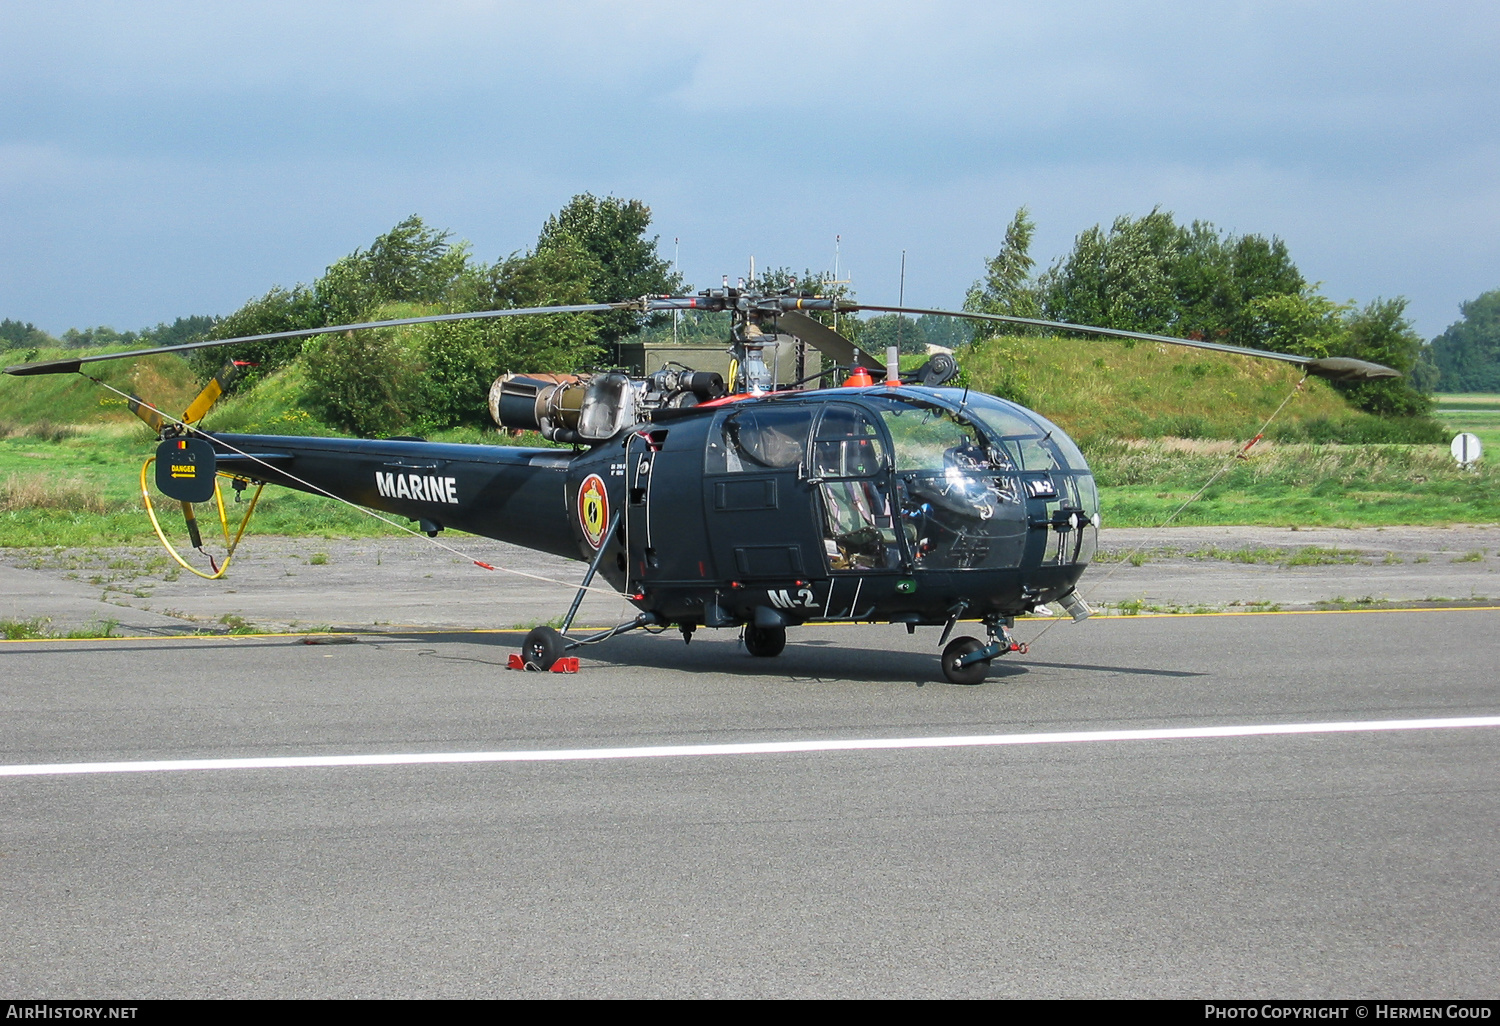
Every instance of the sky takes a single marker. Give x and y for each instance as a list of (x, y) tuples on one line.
[(163, 159)]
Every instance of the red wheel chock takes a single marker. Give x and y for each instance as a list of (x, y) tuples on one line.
[(566, 664)]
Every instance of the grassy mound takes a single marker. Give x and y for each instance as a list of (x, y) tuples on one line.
[(1106, 388), (166, 381)]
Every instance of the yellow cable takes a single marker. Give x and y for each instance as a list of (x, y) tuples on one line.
[(223, 521)]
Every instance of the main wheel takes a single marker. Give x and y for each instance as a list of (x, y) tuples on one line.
[(764, 641), (543, 647), (974, 673)]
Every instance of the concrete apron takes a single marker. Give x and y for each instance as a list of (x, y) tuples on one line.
[(278, 584)]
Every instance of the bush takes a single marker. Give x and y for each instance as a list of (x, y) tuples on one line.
[(373, 383), (1363, 431)]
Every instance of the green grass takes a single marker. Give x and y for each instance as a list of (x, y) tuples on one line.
[(1312, 555), (1476, 412), (81, 487), (1292, 485), (37, 628)]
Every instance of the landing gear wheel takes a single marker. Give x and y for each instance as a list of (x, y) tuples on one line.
[(764, 641), (974, 673), (543, 647)]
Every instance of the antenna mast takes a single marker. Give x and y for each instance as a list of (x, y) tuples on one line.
[(901, 300)]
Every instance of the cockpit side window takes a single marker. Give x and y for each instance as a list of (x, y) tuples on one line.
[(759, 439), (848, 444)]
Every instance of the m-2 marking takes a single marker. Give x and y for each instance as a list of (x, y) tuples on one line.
[(783, 598)]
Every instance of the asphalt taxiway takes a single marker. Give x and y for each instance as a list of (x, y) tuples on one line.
[(1358, 861)]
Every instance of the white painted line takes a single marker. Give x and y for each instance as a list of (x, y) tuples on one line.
[(752, 748)]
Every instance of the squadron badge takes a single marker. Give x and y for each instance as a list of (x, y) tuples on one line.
[(593, 510)]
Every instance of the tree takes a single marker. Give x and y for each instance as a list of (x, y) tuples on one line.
[(1425, 375), (374, 383), (1150, 274), (278, 310), (948, 332), (879, 333), (183, 329), (1006, 287), (464, 357), (433, 376), (1217, 278), (1118, 280), (411, 263), (98, 338), (1467, 354), (1306, 323), (24, 335), (1382, 334), (627, 265)]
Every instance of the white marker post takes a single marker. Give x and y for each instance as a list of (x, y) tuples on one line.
[(1466, 449)]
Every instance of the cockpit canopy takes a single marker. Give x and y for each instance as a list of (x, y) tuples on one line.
[(951, 478)]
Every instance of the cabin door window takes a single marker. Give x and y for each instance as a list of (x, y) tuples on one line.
[(850, 460)]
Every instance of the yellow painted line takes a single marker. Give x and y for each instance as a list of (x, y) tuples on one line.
[(821, 623), (291, 634), (1289, 612)]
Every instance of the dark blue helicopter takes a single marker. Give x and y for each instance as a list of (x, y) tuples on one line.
[(729, 505)]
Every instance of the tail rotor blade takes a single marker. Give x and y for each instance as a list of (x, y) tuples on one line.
[(153, 417), (216, 387)]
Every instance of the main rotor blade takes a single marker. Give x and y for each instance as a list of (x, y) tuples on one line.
[(826, 340), (1340, 368), (71, 365)]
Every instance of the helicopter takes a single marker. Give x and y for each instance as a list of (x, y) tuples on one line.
[(891, 497)]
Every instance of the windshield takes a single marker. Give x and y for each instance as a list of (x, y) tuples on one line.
[(971, 483)]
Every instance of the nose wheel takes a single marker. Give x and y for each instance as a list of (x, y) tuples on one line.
[(967, 660), (954, 667)]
